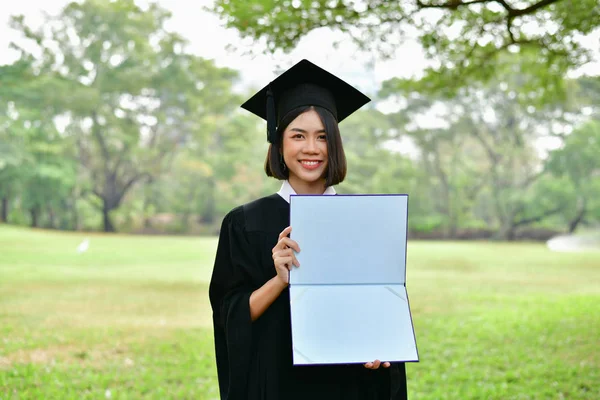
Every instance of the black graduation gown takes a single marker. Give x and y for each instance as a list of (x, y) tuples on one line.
[(254, 359)]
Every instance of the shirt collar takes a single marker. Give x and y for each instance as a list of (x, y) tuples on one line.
[(287, 190)]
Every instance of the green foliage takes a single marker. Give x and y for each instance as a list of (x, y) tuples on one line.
[(578, 158), (481, 166), (465, 40), (35, 161), (131, 93), (131, 316), (106, 121), (577, 165), (372, 167)]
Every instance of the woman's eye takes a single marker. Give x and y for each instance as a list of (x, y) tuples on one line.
[(297, 136), (322, 137)]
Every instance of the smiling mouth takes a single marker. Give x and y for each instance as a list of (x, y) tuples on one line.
[(310, 164)]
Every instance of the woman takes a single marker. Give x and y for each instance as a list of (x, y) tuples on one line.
[(249, 287)]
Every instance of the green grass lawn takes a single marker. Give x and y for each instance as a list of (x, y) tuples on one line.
[(129, 319)]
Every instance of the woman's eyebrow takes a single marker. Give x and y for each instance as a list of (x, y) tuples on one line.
[(304, 131)]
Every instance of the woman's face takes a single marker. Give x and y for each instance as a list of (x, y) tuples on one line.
[(305, 150)]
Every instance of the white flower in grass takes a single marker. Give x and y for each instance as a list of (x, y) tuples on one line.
[(108, 394)]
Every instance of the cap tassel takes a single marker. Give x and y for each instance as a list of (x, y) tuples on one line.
[(271, 117)]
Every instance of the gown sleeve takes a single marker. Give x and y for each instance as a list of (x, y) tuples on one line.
[(230, 289), (398, 389)]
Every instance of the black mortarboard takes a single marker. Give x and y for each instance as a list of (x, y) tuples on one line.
[(304, 84)]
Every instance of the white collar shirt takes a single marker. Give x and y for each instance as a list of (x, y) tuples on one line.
[(287, 190)]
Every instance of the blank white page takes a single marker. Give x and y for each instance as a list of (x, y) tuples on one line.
[(349, 239), (351, 324), (348, 299)]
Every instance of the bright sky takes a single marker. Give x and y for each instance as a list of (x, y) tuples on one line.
[(209, 39)]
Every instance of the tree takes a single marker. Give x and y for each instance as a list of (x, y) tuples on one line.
[(481, 164), (578, 163), (132, 95), (216, 172), (448, 159), (12, 158), (36, 166), (464, 39), (372, 166), (12, 143)]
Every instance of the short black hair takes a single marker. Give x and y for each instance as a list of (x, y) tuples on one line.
[(336, 158)]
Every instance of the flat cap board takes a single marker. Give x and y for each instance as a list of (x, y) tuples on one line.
[(348, 299), (324, 89)]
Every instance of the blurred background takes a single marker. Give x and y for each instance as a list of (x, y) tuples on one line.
[(122, 146), (124, 116)]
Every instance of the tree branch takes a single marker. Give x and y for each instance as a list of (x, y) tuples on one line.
[(527, 182), (511, 35), (100, 139), (493, 156), (133, 180), (537, 218), (510, 10), (98, 194), (453, 4), (532, 8)]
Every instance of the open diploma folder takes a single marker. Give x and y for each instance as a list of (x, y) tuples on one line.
[(348, 299)]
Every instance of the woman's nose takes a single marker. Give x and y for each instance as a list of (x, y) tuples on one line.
[(311, 146)]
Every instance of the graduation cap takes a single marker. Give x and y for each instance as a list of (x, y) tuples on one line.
[(304, 84)]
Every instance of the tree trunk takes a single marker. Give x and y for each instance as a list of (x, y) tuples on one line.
[(112, 194), (146, 223), (75, 220), (4, 210), (581, 210), (511, 233), (51, 218), (108, 226), (190, 208), (34, 217), (507, 231), (453, 228), (208, 216)]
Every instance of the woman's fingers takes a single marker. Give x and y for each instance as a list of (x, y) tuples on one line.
[(284, 262), (287, 253), (285, 232), (285, 258), (285, 243), (291, 244), (376, 364), (283, 253)]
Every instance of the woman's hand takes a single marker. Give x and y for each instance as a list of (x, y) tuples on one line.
[(376, 364), (283, 255)]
